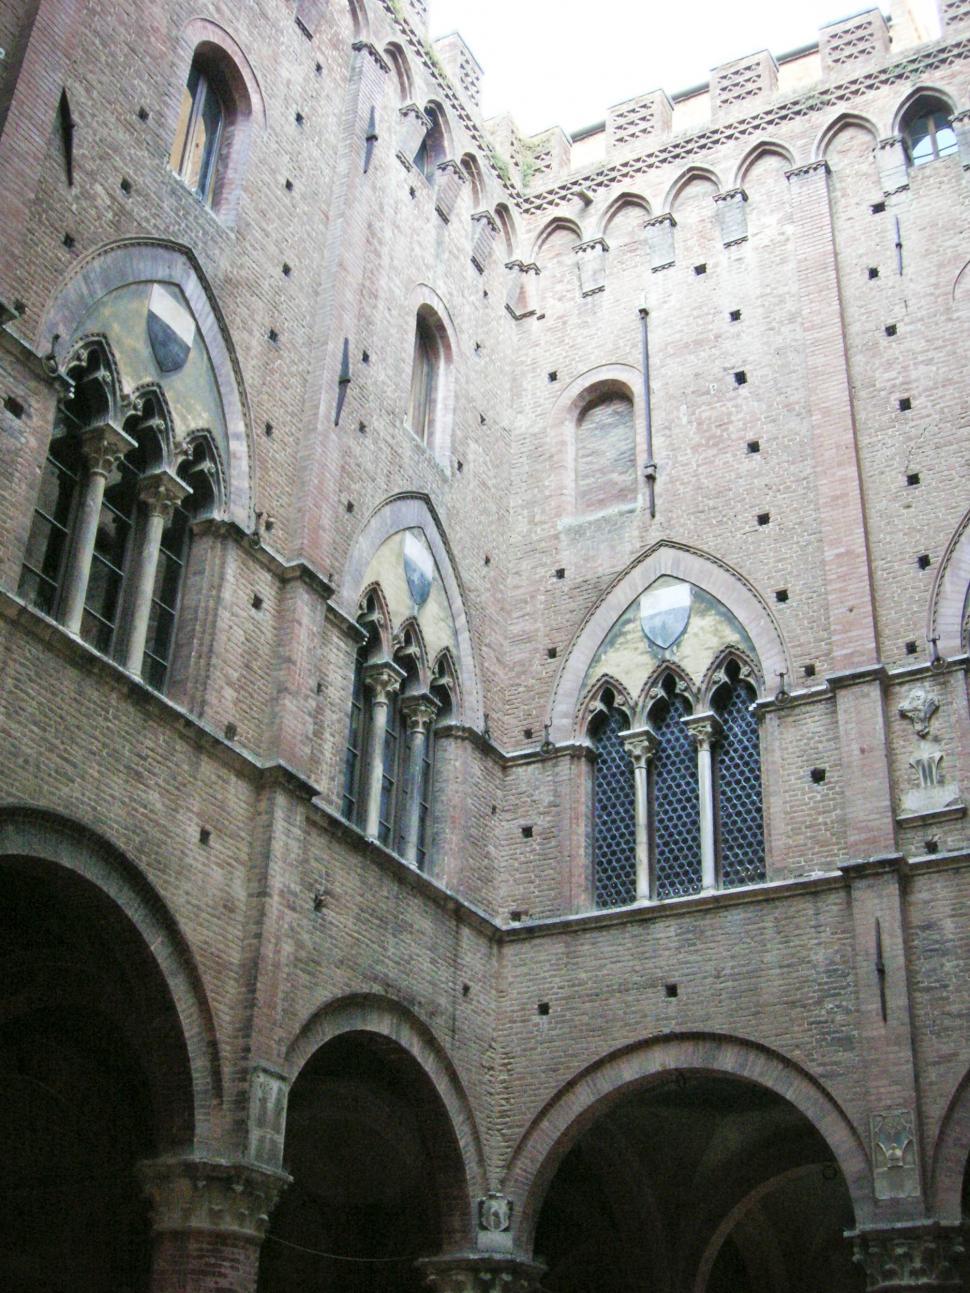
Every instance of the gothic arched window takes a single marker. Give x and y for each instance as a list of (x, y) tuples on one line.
[(674, 802), (926, 130), (740, 829), (614, 826), (425, 376), (198, 136)]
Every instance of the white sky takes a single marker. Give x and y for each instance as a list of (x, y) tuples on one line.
[(564, 62)]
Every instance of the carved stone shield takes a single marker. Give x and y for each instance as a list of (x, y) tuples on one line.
[(171, 329), (665, 613), (418, 568)]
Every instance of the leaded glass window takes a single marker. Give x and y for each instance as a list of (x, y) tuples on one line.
[(738, 789), (614, 822), (50, 534), (675, 804), (391, 772), (354, 762)]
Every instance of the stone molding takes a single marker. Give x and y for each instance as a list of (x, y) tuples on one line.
[(909, 1257), (227, 1198), (365, 47)]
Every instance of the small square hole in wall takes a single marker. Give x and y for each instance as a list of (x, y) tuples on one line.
[(528, 733), (205, 835), (68, 241), (923, 561), (481, 419), (484, 293), (808, 670), (478, 347), (912, 478), (232, 731), (700, 269), (873, 272), (671, 990), (143, 114), (561, 572), (365, 357), (14, 407), (273, 336), (543, 1008), (126, 186), (740, 378), (878, 208), (350, 506), (318, 68), (781, 594), (257, 602), (527, 832), (764, 518), (466, 989), (735, 316), (459, 466), (552, 652), (268, 430), (288, 185), (817, 775), (287, 269), (488, 559), (554, 376), (931, 846), (891, 329), (299, 118), (905, 404), (362, 428), (754, 446), (911, 648)]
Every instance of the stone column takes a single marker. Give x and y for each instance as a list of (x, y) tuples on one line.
[(419, 712), (382, 679), (160, 493), (481, 1273), (910, 1256), (102, 446), (705, 729), (641, 744), (208, 1222)]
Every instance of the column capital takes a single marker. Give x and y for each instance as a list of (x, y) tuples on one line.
[(103, 444), (641, 744), (481, 1273), (189, 1194), (383, 678), (704, 728), (161, 491), (909, 1256), (419, 711)]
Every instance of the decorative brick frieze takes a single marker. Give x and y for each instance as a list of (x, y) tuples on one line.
[(954, 14), (639, 121), (738, 86), (853, 44), (461, 66)]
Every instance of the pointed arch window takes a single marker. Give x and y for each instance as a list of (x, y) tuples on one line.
[(110, 533), (674, 801), (614, 826), (740, 826), (425, 379), (927, 132)]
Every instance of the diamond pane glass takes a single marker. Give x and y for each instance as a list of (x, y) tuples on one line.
[(614, 828), (742, 840), (352, 763), (676, 808)]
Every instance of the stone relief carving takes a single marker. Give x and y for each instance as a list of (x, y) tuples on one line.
[(894, 1166), (895, 1259), (919, 707), (495, 1212)]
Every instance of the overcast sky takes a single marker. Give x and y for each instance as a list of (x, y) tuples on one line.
[(564, 62)]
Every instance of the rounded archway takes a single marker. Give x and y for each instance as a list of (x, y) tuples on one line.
[(96, 1077), (698, 1183), (379, 1178)]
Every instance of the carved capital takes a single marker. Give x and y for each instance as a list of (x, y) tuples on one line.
[(419, 711), (731, 195), (704, 728), (593, 244), (820, 167), (191, 1194), (103, 446), (660, 220), (909, 1257), (161, 491), (382, 679), (641, 745), (481, 1273)]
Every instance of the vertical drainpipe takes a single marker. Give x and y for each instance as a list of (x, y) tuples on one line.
[(650, 467)]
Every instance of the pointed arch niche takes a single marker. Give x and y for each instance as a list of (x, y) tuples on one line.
[(597, 442)]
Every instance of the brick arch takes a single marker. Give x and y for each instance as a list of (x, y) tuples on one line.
[(407, 512), (767, 148), (386, 1019), (140, 260), (930, 92), (951, 1154), (693, 175), (948, 601), (558, 225), (622, 202), (715, 577), (593, 1092), (48, 837), (845, 120), (583, 390)]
